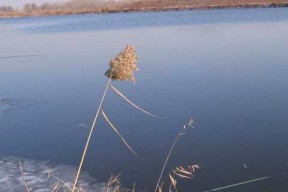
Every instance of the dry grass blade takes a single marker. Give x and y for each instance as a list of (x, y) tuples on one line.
[(173, 181), (194, 167), (183, 170), (131, 103), (113, 182), (23, 176), (186, 172), (56, 188), (159, 188), (59, 180), (122, 138), (181, 175)]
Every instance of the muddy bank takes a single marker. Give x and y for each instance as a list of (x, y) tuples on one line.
[(149, 5)]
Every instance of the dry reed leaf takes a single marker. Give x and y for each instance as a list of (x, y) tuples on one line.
[(159, 188), (122, 66), (186, 172), (55, 188), (113, 182), (117, 132), (182, 170), (173, 181), (194, 167), (64, 184), (131, 103), (181, 175)]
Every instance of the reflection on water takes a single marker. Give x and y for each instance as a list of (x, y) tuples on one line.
[(227, 69)]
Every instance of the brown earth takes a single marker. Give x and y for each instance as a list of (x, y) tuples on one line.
[(151, 5)]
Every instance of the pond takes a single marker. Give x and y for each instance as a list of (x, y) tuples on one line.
[(226, 69)]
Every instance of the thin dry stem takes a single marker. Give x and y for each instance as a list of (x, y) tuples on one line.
[(114, 182), (56, 188), (117, 132), (131, 103), (90, 134), (181, 133), (166, 161)]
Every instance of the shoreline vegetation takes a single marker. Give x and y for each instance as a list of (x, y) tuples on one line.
[(73, 7)]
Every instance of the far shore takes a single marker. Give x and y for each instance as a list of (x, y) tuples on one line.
[(150, 6)]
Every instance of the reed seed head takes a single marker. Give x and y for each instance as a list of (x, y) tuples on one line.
[(122, 66)]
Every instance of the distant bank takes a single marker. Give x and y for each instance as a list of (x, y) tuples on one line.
[(145, 6)]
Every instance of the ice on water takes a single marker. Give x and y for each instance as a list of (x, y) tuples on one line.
[(41, 176)]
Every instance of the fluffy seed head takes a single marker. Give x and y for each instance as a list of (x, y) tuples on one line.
[(122, 66)]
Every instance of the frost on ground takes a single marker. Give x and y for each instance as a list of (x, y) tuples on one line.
[(42, 176)]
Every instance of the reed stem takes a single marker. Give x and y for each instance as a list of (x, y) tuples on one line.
[(90, 134), (167, 158)]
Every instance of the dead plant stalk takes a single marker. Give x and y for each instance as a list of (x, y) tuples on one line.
[(121, 68), (90, 134)]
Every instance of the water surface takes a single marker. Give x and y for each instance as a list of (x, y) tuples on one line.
[(226, 69)]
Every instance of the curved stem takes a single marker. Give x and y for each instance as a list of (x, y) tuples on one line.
[(90, 134), (166, 161), (131, 103)]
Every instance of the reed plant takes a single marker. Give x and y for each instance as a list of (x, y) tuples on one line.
[(121, 68)]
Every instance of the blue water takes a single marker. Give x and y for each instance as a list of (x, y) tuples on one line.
[(226, 69)]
